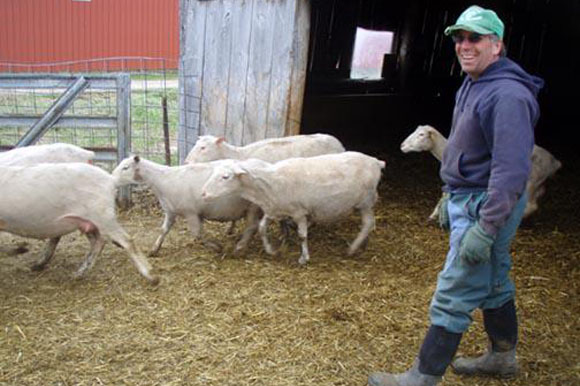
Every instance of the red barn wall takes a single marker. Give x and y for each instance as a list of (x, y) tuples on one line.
[(49, 31)]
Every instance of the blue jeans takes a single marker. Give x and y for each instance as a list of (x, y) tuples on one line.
[(461, 288)]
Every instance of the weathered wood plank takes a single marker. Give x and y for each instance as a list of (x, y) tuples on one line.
[(192, 23), (236, 103), (279, 98), (216, 67), (299, 60), (259, 72)]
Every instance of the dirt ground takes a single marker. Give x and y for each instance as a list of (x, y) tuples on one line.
[(255, 319)]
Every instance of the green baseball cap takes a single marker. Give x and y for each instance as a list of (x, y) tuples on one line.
[(477, 19)]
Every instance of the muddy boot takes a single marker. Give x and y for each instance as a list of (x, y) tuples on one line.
[(498, 364), (411, 377), (500, 359), (436, 353)]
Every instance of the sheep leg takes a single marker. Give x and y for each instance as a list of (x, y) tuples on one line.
[(196, 227), (168, 222), (47, 254), (120, 236), (231, 228), (434, 216), (252, 221), (303, 235), (285, 226), (97, 243), (263, 229), (368, 223)]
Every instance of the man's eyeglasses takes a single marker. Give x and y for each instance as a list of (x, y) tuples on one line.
[(472, 37)]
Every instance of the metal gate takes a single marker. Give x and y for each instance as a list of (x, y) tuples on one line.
[(110, 121)]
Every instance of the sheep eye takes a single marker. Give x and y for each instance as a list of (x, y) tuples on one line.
[(226, 177), (126, 167)]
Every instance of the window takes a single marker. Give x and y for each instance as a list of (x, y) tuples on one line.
[(370, 48)]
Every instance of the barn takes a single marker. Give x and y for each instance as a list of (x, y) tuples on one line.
[(297, 66)]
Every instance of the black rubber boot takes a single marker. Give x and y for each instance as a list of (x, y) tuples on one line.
[(501, 325), (437, 351)]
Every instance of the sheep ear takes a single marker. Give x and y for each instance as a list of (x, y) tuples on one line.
[(238, 170), (220, 140), (136, 159)]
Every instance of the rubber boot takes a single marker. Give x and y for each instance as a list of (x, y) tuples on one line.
[(436, 353), (500, 359)]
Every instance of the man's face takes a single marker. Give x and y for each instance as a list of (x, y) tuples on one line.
[(476, 52)]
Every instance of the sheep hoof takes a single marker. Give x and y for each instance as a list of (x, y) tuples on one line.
[(38, 267)]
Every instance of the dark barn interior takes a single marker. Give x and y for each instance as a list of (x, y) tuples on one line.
[(421, 76)]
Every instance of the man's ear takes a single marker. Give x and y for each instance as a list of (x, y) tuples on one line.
[(497, 47)]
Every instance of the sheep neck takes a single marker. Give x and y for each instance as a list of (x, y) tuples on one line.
[(152, 174), (439, 144)]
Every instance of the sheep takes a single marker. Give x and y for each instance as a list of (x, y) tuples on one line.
[(52, 200), (33, 155), (318, 189), (178, 189), (544, 164), (51, 153), (209, 148)]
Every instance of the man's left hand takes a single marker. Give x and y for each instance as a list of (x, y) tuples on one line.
[(475, 247)]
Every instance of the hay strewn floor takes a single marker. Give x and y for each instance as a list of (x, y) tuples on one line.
[(261, 320)]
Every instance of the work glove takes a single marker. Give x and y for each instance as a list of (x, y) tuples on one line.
[(475, 247), (443, 212)]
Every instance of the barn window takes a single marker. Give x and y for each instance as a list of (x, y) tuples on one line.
[(370, 48)]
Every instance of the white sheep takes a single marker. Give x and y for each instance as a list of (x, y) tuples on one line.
[(317, 189), (209, 148), (178, 189), (33, 155), (544, 164), (48, 201), (51, 153)]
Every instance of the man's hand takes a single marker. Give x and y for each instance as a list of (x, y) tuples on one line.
[(475, 247), (443, 212)]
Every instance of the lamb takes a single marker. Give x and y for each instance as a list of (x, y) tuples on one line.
[(52, 200), (178, 190), (544, 164), (209, 148), (33, 155), (318, 189), (51, 153)]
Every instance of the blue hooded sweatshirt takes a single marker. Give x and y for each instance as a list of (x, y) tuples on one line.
[(492, 138)]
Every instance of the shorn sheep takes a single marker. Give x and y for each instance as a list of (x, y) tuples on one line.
[(210, 148), (178, 189), (544, 164), (51, 153), (48, 201), (317, 189), (34, 155)]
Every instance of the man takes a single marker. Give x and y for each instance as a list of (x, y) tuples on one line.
[(485, 167)]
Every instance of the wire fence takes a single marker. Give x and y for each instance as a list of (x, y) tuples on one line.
[(154, 107)]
